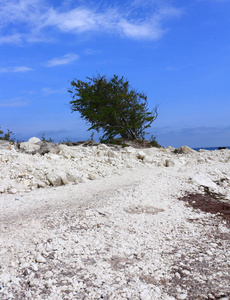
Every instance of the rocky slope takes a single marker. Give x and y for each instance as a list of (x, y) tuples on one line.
[(105, 222)]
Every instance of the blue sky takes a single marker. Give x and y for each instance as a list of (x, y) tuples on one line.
[(177, 52)]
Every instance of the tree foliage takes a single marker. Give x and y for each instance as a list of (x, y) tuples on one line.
[(112, 106)]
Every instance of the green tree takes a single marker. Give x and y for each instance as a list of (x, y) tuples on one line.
[(112, 106)]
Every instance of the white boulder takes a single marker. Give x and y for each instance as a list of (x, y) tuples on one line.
[(203, 180), (141, 155), (185, 150), (34, 140), (32, 145)]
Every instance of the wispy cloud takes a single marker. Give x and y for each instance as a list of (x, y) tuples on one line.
[(125, 20), (15, 69), (15, 102), (75, 20), (64, 60), (137, 19), (49, 91), (142, 30), (11, 39)]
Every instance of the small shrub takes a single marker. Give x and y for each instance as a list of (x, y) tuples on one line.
[(153, 142), (6, 135), (176, 151), (43, 138)]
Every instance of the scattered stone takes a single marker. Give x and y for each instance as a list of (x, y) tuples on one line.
[(39, 258), (181, 296), (81, 296), (48, 274), (34, 267), (54, 179), (92, 176), (169, 163), (145, 295), (141, 155), (12, 191)]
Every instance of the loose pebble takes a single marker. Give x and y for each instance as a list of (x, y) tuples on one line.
[(39, 258)]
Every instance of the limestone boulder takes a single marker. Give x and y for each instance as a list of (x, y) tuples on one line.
[(141, 155), (30, 147), (34, 140), (185, 150), (35, 145), (203, 179)]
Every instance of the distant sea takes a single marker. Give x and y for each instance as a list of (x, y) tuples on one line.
[(210, 148)]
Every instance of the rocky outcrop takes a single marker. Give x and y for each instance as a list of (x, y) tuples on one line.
[(38, 164)]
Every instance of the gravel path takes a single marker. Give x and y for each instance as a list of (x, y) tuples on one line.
[(126, 236)]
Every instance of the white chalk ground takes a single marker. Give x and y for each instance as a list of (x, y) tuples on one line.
[(104, 223)]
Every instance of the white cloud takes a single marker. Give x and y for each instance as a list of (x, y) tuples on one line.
[(15, 69), (77, 20), (48, 91), (114, 20), (16, 102), (28, 19), (64, 60), (140, 31), (11, 39), (17, 11)]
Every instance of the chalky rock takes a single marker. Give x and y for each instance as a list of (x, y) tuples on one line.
[(102, 147), (5, 145), (129, 150), (58, 164), (39, 258), (65, 151), (185, 150), (54, 179), (32, 145), (12, 191), (34, 140), (112, 154), (92, 176), (36, 146), (141, 155), (203, 180), (45, 148), (169, 163)]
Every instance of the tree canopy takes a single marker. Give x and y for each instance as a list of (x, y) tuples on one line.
[(112, 106)]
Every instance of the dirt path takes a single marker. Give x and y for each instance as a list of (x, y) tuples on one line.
[(122, 237)]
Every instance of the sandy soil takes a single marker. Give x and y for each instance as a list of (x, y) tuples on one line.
[(128, 235)]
